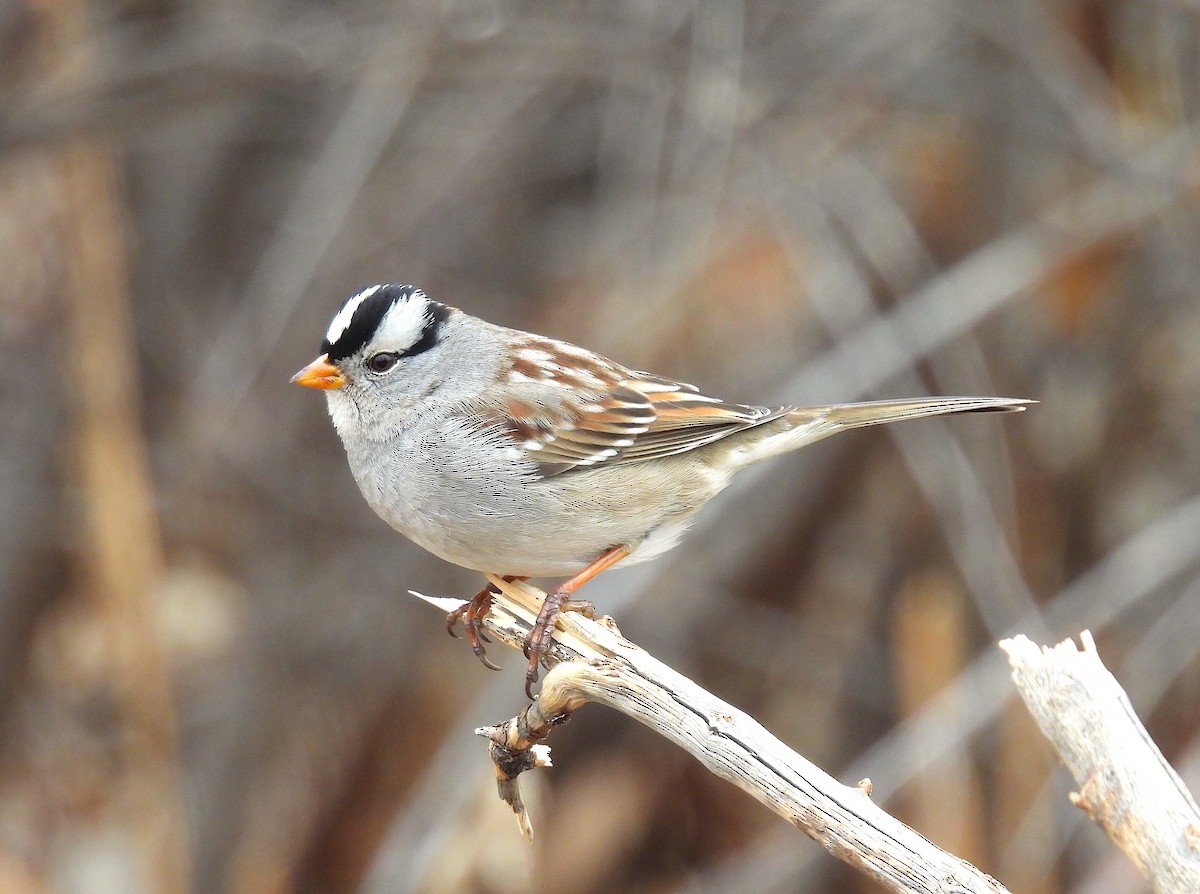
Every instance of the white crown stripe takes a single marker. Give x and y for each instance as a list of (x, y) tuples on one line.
[(402, 325), (341, 320)]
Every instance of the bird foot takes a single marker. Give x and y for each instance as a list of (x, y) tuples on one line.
[(537, 641), (472, 614)]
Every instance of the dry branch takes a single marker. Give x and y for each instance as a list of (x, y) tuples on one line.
[(1126, 786), (591, 662)]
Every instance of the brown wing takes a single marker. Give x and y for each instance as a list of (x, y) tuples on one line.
[(570, 409)]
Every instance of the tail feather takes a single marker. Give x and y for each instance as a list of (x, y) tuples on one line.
[(804, 425), (844, 416)]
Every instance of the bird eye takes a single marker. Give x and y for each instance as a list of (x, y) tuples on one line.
[(382, 362)]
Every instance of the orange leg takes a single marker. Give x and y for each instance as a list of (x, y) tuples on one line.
[(559, 599), (472, 615)]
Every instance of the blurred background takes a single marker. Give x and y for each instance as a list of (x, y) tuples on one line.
[(211, 676)]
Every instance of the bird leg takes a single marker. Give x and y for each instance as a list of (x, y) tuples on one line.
[(472, 614), (537, 642)]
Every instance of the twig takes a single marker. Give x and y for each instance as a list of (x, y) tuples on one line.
[(591, 662), (1126, 786)]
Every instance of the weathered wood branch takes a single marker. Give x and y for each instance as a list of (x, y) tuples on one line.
[(591, 662), (1125, 785)]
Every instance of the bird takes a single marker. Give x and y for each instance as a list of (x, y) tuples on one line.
[(524, 456)]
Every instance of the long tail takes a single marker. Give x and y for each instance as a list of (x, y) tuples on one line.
[(804, 425)]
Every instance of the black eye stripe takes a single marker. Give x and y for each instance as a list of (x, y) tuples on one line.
[(432, 331)]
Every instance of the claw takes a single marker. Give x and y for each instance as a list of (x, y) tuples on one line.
[(487, 662), (540, 636), (472, 614), (538, 640), (582, 606)]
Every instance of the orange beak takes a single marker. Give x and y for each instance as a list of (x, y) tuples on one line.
[(320, 374)]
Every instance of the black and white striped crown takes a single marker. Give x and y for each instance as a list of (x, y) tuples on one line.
[(398, 318)]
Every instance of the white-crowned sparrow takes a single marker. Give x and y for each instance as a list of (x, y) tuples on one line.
[(516, 454)]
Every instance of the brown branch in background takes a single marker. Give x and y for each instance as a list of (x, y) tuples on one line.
[(123, 554), (945, 801), (592, 662), (1126, 786)]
